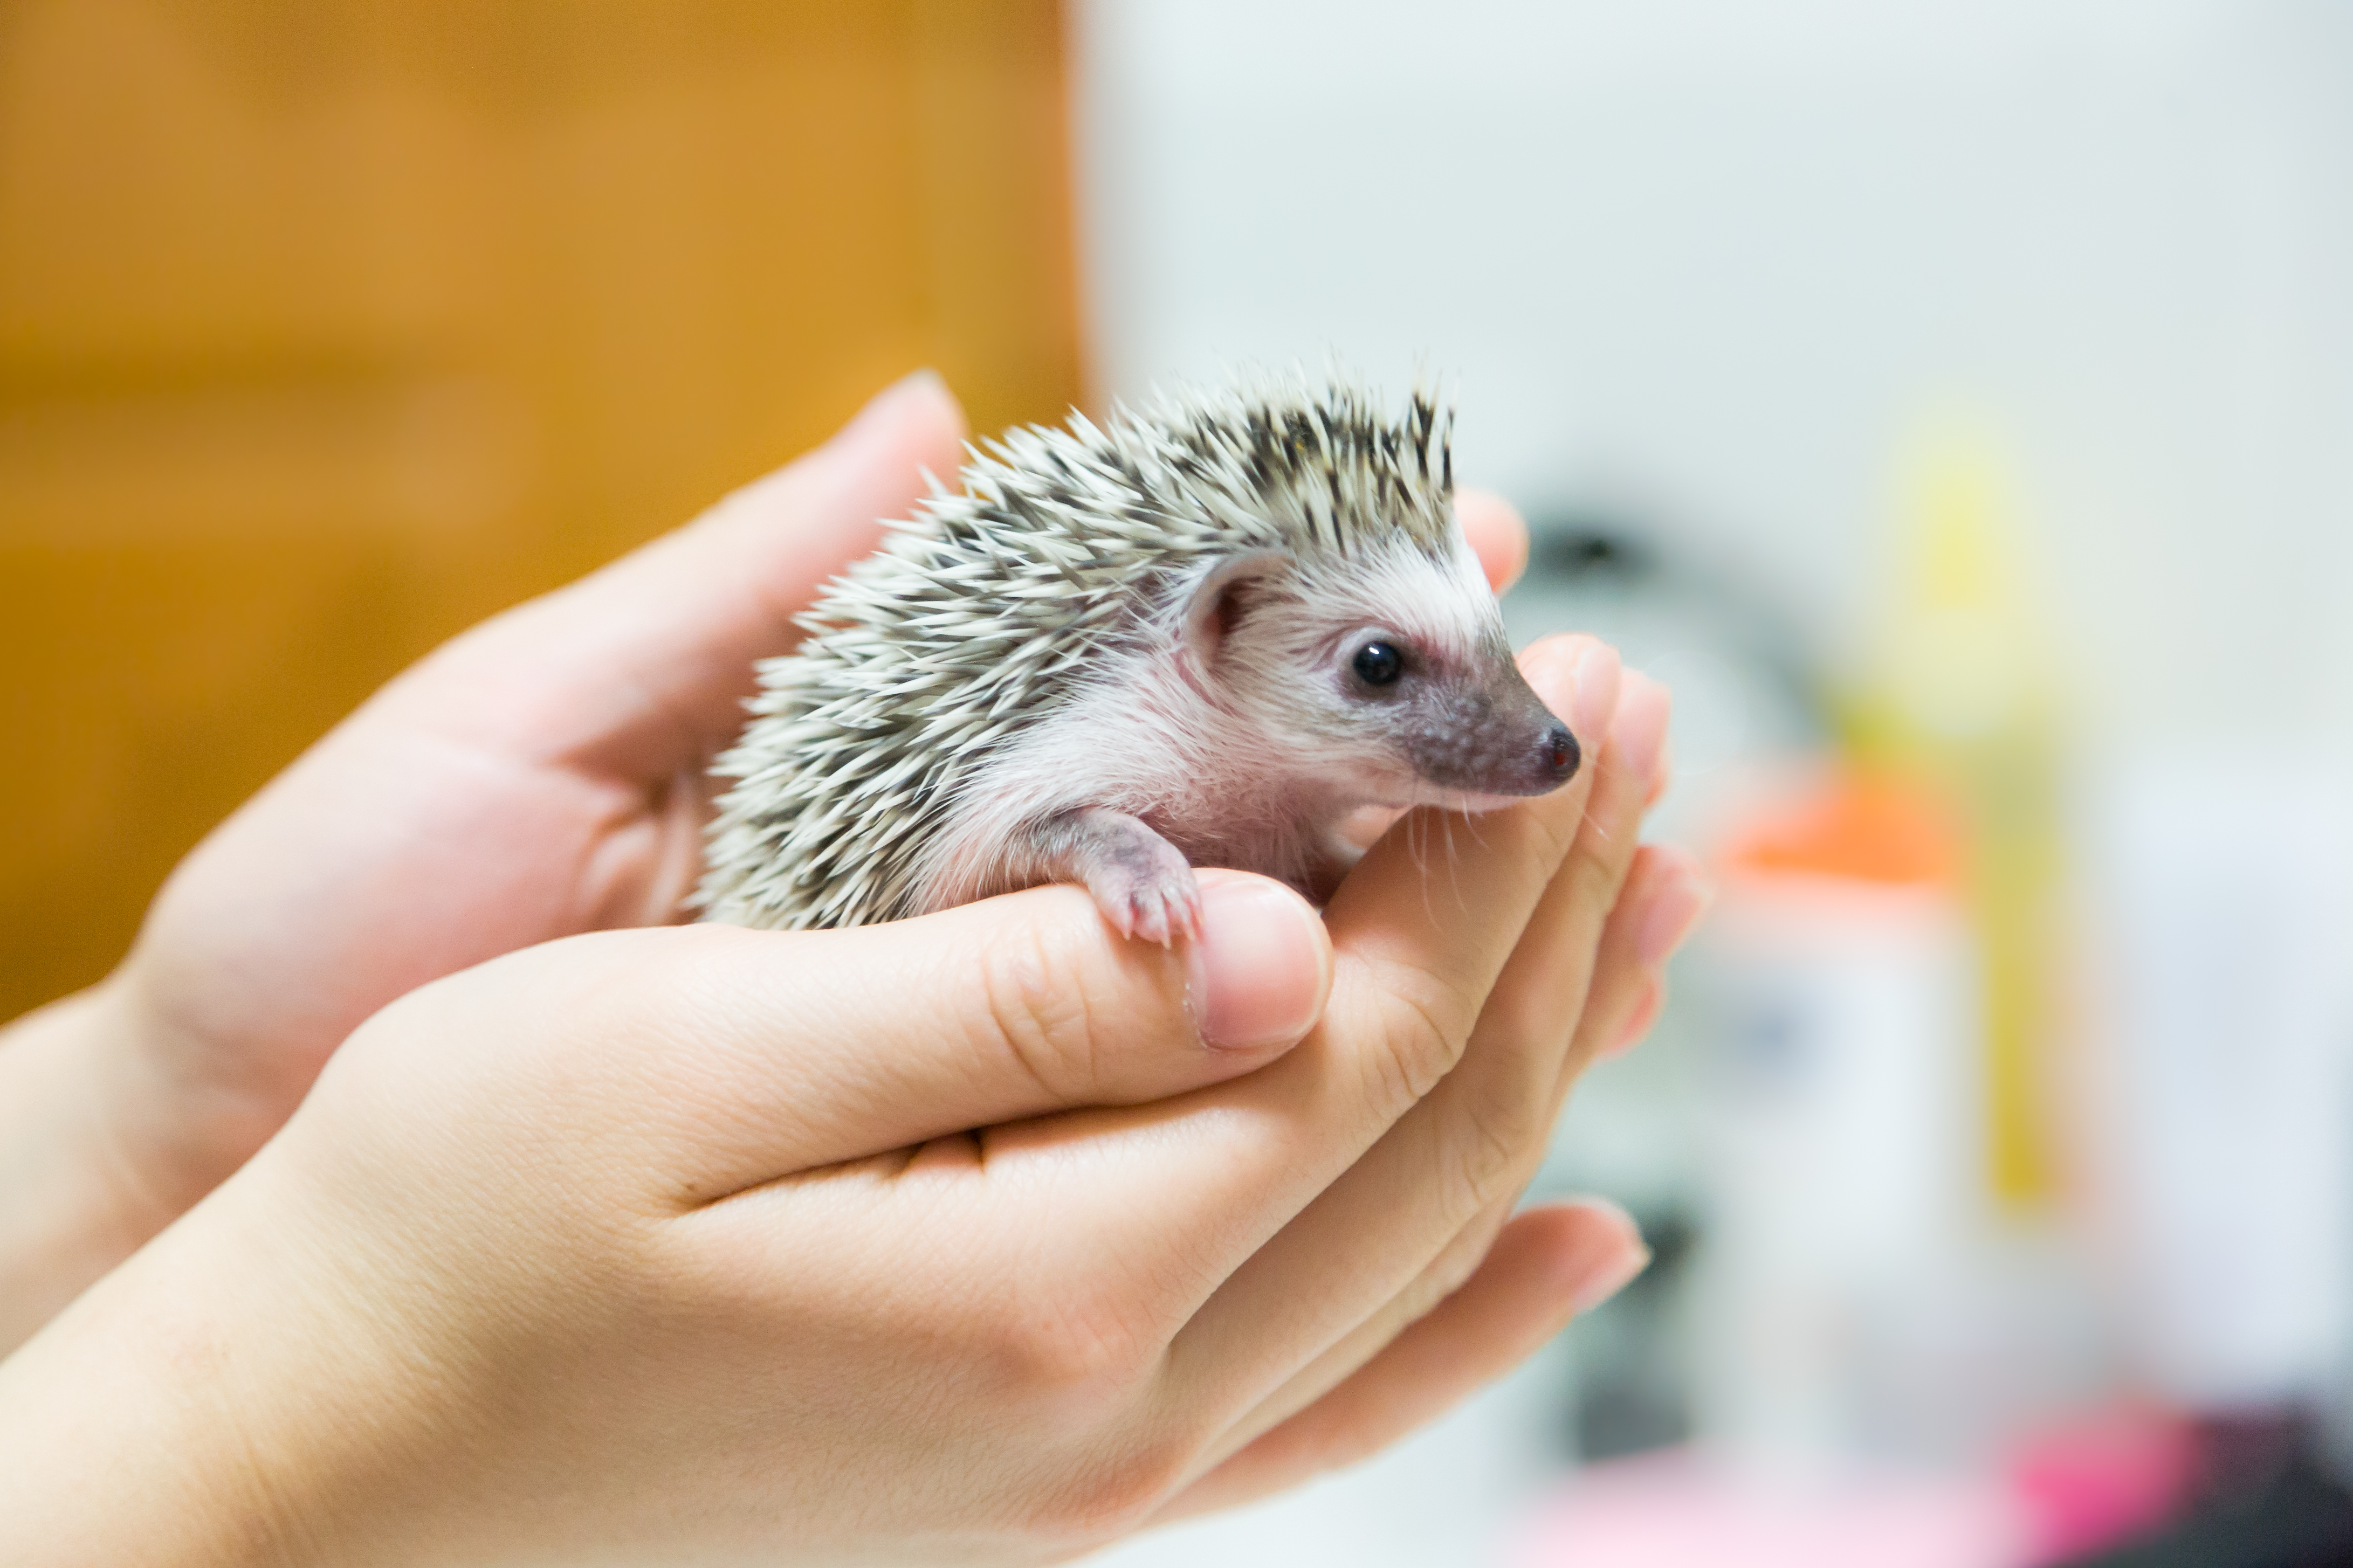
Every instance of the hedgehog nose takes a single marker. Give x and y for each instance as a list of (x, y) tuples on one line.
[(1556, 754)]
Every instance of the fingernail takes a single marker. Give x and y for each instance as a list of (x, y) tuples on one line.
[(1616, 1255), (1638, 732), (1598, 672), (876, 414), (1674, 910), (1259, 972)]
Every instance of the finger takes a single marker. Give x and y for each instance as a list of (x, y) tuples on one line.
[(1662, 897), (1549, 1265), (1497, 535), (642, 667), (1666, 895), (773, 1052), (718, 1058), (1461, 1149)]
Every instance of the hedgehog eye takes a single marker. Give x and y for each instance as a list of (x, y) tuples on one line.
[(1379, 664)]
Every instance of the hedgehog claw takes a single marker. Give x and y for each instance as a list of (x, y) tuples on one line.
[(1185, 914), (1152, 918), (1151, 907)]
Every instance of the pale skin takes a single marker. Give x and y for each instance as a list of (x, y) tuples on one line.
[(676, 1243)]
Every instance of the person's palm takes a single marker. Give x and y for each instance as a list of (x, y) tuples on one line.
[(545, 775)]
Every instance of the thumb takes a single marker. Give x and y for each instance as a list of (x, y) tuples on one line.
[(791, 1051)]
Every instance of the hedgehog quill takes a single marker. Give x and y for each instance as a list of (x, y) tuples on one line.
[(1205, 632)]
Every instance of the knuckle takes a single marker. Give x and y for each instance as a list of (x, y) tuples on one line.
[(1452, 1271), (1594, 879), (1079, 1348), (1492, 1135), (1555, 824), (1115, 1493), (1425, 1026), (1538, 1021), (1445, 1275), (1449, 1271), (1391, 1085), (1039, 1008)]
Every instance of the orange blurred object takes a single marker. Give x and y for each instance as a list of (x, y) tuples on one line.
[(1870, 827)]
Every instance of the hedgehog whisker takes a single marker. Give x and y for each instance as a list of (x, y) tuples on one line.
[(1454, 865), (1471, 823), (1421, 864)]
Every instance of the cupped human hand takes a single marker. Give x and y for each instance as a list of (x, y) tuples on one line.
[(539, 776), (542, 775), (948, 1241)]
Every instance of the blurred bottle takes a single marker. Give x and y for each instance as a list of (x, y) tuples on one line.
[(1885, 957), (1844, 1148), (2222, 884), (1956, 698)]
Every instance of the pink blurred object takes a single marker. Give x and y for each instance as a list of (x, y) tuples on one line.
[(2074, 1490), (2100, 1483), (1679, 1511)]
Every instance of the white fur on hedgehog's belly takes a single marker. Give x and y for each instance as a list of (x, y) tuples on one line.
[(1150, 746)]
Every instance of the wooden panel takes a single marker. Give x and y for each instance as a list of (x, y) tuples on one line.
[(328, 327)]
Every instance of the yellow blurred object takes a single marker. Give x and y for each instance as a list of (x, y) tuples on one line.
[(1959, 699), (327, 329)]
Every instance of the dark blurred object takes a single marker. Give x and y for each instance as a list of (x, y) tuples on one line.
[(1602, 570), (1632, 1391), (1742, 688), (2266, 1502), (1575, 547), (327, 329)]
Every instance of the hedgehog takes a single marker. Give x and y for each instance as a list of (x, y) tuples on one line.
[(1209, 632)]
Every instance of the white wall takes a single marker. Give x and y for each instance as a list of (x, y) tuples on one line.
[(1712, 259)]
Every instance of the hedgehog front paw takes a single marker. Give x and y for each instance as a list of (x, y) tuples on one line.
[(1144, 887), (1160, 910), (1147, 892)]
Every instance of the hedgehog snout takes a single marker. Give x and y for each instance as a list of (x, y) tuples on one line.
[(1497, 740), (1540, 765), (1528, 750)]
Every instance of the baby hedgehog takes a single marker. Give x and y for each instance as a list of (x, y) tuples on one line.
[(1203, 635)]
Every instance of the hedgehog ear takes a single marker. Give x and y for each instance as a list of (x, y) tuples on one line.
[(1219, 606)]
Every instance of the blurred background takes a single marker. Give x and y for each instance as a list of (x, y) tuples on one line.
[(1954, 400), (327, 329)]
